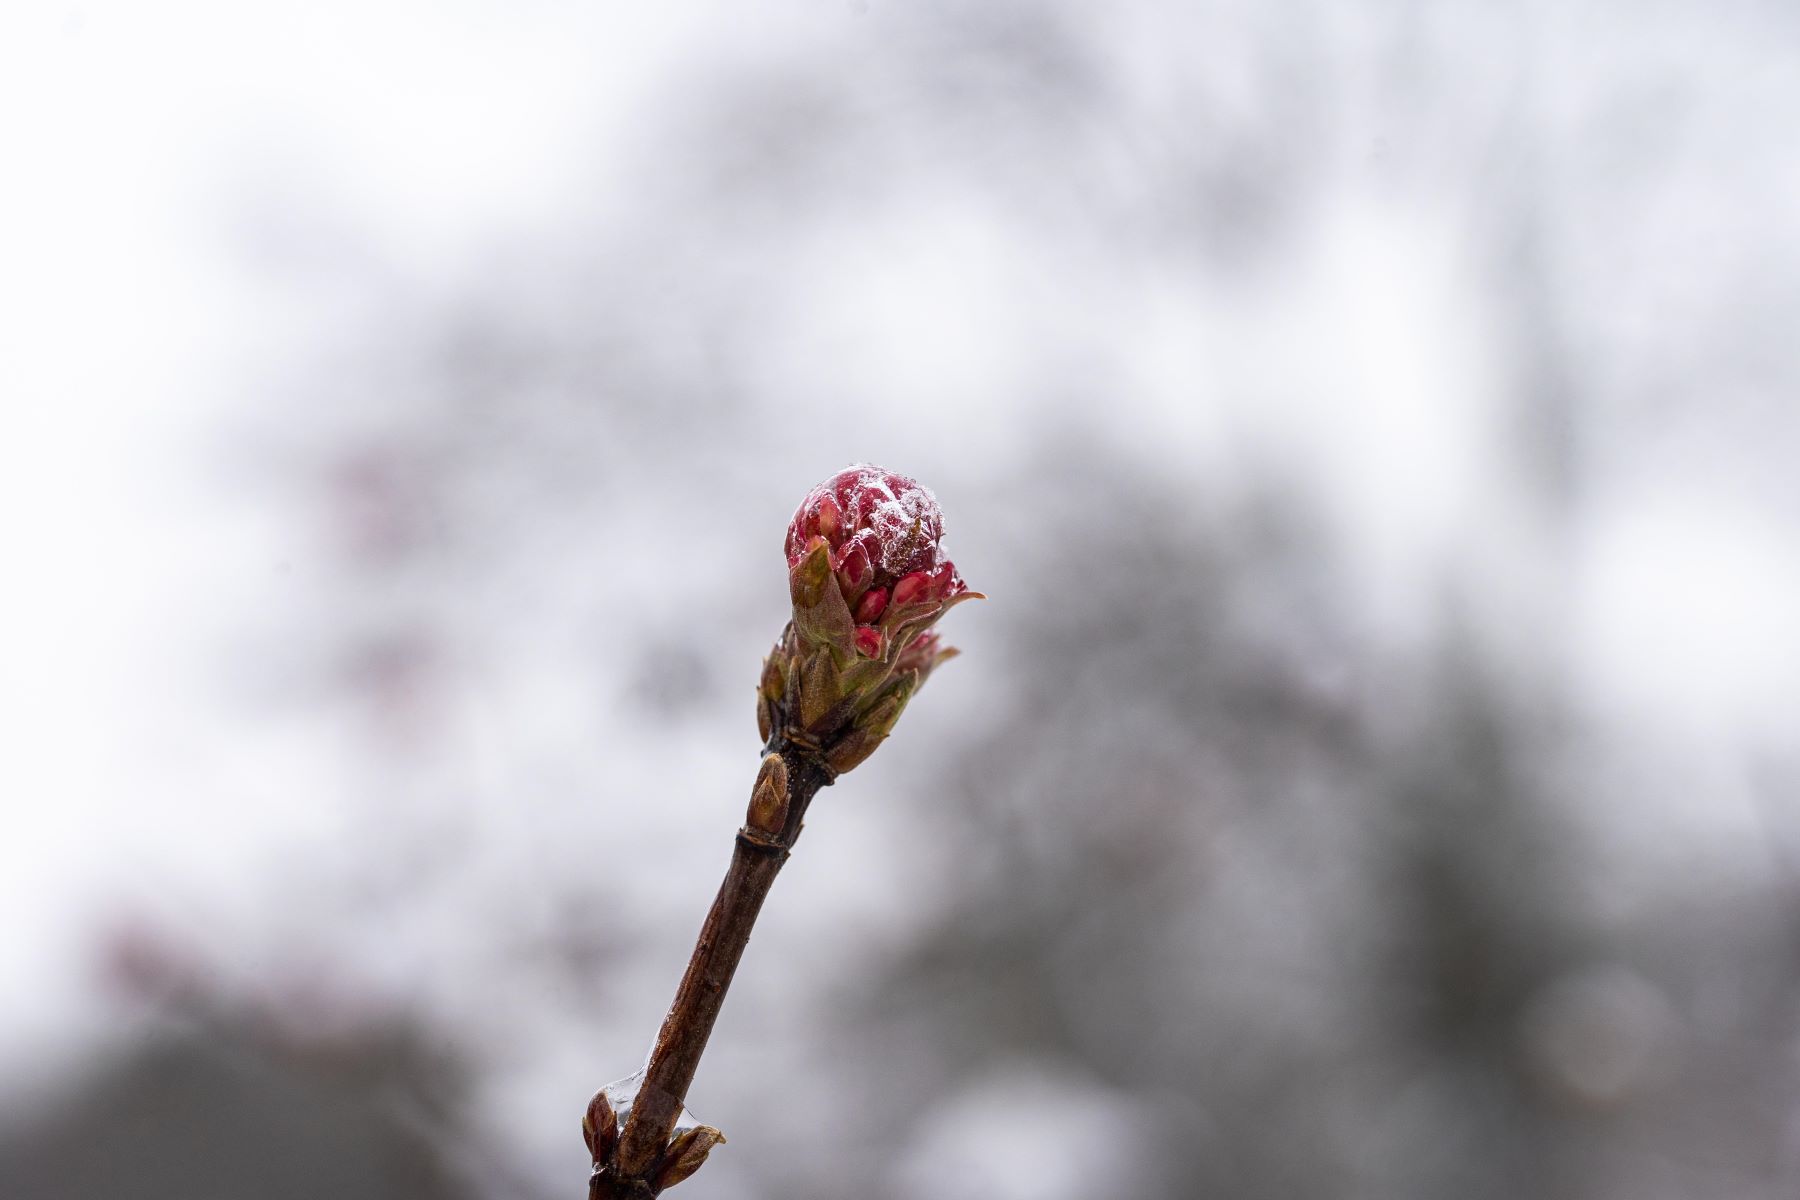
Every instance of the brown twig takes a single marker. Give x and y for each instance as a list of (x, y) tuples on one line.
[(867, 580), (792, 775)]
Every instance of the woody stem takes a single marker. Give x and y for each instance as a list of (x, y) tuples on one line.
[(755, 861)]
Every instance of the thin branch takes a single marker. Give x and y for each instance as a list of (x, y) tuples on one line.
[(756, 859), (868, 580)]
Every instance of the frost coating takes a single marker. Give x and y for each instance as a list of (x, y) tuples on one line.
[(881, 527)]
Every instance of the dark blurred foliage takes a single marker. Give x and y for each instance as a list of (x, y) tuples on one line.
[(1312, 923), (283, 1090), (205, 1117)]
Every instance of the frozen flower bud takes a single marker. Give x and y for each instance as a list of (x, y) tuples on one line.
[(868, 579)]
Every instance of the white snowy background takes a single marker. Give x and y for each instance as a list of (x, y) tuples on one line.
[(1375, 424)]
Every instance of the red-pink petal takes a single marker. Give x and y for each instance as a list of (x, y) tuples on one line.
[(871, 606), (853, 568), (909, 587)]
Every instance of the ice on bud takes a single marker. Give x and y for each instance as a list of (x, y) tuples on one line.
[(901, 514), (863, 540), (600, 1127)]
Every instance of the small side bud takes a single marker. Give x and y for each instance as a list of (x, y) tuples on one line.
[(774, 681), (687, 1151), (769, 798), (868, 641), (600, 1128)]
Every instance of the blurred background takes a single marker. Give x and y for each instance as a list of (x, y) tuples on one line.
[(1373, 776)]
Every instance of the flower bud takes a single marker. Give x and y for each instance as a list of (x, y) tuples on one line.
[(923, 656), (870, 607), (908, 589), (856, 571), (868, 579)]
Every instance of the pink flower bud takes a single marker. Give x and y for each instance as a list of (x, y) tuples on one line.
[(909, 588), (855, 567), (870, 607), (924, 653), (893, 517), (868, 578)]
